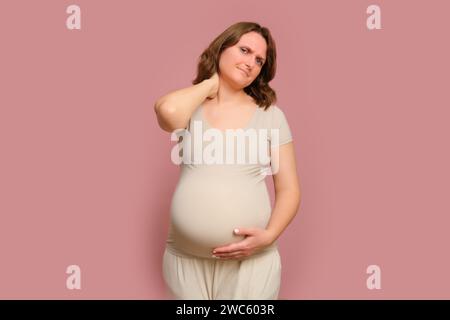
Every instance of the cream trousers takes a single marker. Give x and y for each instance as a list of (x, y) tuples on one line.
[(194, 278)]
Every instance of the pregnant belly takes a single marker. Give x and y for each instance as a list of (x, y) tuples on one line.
[(204, 212)]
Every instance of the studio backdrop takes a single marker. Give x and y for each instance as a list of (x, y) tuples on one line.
[(86, 175)]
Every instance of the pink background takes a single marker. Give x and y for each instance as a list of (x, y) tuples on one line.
[(86, 176)]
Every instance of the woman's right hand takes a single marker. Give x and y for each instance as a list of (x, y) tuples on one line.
[(214, 81)]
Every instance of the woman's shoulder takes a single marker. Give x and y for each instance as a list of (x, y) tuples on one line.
[(273, 108), (273, 111), (265, 116), (272, 117)]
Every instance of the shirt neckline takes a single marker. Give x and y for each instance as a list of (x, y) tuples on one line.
[(247, 126)]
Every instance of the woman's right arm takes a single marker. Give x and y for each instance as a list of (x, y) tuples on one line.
[(174, 109)]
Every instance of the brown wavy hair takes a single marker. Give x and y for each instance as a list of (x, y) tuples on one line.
[(259, 89)]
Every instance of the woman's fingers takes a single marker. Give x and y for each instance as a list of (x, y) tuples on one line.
[(231, 255)]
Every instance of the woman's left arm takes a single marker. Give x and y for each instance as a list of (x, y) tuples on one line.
[(287, 190)]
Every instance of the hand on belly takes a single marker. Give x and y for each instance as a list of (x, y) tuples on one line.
[(200, 225), (198, 232)]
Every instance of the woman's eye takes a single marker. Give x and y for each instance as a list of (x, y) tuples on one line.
[(259, 61)]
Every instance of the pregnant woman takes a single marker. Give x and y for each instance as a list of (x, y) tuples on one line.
[(222, 237)]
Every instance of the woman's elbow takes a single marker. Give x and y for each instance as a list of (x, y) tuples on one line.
[(167, 117)]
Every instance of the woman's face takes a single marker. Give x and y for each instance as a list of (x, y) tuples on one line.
[(240, 64)]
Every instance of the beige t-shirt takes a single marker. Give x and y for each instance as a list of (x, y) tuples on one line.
[(222, 181)]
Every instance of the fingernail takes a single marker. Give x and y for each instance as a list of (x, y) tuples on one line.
[(236, 230)]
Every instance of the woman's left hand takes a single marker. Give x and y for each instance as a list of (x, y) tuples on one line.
[(255, 240)]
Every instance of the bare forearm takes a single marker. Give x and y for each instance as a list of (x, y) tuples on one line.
[(286, 206), (175, 108)]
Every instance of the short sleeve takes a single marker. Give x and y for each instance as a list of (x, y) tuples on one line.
[(180, 133), (280, 131)]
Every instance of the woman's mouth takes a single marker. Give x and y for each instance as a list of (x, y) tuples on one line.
[(244, 72)]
